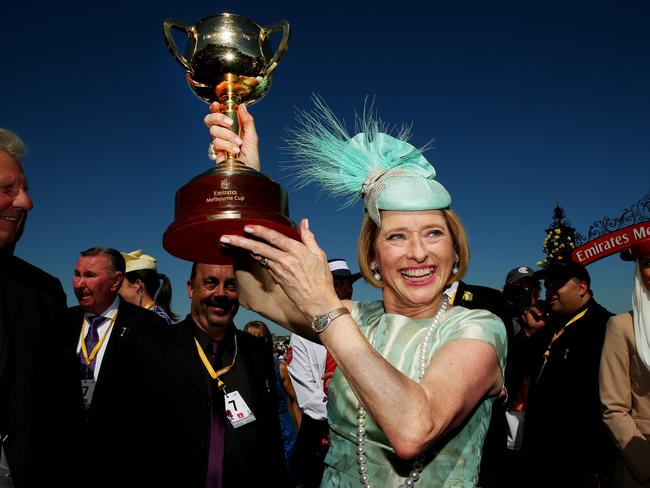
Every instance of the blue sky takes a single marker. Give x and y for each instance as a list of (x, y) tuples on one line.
[(528, 103)]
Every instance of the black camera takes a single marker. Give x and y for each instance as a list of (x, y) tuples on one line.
[(518, 297)]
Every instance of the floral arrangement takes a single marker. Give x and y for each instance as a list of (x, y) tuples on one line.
[(559, 241)]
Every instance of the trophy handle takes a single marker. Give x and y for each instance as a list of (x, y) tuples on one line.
[(282, 25), (170, 24)]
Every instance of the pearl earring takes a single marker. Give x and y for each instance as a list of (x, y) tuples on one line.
[(454, 270), (375, 272)]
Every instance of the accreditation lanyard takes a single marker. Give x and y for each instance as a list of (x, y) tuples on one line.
[(556, 336), (215, 375), (93, 353)]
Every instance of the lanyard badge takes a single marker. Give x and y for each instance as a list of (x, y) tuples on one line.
[(556, 336), (237, 410)]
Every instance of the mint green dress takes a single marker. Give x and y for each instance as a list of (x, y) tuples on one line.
[(450, 463)]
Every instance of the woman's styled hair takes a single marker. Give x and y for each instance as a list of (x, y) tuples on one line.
[(368, 237), (158, 287)]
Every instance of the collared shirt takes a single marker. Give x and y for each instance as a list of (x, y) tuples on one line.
[(306, 369), (228, 342), (101, 330), (226, 352)]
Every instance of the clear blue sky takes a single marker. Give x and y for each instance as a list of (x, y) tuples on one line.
[(529, 103)]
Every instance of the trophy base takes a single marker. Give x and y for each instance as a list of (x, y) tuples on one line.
[(222, 201)]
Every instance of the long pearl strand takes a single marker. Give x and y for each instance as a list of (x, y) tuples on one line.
[(418, 465)]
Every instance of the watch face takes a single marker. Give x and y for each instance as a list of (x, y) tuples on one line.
[(320, 322)]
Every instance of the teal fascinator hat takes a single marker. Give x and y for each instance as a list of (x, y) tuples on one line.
[(385, 170)]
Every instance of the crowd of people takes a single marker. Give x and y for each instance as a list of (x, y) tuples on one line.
[(439, 383)]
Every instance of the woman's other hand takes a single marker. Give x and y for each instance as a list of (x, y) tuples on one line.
[(224, 140)]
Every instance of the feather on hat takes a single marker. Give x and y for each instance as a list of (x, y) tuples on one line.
[(387, 171)]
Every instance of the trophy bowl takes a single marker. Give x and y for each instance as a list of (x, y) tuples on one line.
[(228, 59)]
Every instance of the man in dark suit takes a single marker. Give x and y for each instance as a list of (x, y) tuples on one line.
[(102, 326), (39, 396), (196, 419), (565, 441)]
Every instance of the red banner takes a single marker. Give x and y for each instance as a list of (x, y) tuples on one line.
[(611, 243)]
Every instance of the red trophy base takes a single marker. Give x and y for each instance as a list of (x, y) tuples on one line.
[(222, 201)]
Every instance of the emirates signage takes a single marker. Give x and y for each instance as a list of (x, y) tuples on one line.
[(611, 243)]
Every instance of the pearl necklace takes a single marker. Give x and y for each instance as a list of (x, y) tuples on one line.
[(418, 464)]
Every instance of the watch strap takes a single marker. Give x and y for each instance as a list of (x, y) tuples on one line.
[(337, 313), (323, 320)]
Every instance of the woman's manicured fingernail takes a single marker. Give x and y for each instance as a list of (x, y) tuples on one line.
[(248, 229), (224, 239)]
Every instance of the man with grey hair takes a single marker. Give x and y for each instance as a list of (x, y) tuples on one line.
[(14, 199), (39, 397)]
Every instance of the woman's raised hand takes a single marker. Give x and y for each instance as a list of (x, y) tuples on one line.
[(299, 268), (224, 140)]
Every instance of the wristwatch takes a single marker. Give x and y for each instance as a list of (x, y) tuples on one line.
[(323, 320)]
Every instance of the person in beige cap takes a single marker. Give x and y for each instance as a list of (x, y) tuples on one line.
[(145, 287)]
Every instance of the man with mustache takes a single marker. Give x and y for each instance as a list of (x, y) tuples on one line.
[(206, 409), (39, 397)]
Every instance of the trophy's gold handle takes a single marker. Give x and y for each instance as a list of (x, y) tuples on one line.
[(170, 24), (283, 26)]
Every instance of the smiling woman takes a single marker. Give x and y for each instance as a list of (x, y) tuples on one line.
[(440, 229), (411, 398)]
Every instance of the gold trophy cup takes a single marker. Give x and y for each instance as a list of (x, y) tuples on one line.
[(228, 59)]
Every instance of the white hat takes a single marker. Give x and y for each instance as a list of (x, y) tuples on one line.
[(136, 260), (340, 269)]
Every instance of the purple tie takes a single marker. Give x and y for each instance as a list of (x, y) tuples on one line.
[(91, 340), (217, 430)]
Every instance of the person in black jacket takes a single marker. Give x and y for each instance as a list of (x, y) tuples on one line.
[(114, 323), (39, 396), (565, 442), (194, 419)]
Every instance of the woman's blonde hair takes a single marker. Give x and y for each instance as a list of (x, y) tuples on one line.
[(368, 236)]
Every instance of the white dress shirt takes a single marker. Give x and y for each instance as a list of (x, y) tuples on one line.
[(306, 368), (109, 313)]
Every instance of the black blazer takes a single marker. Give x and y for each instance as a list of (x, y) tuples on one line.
[(98, 431), (165, 413), (40, 396), (564, 434), (131, 321), (490, 299)]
